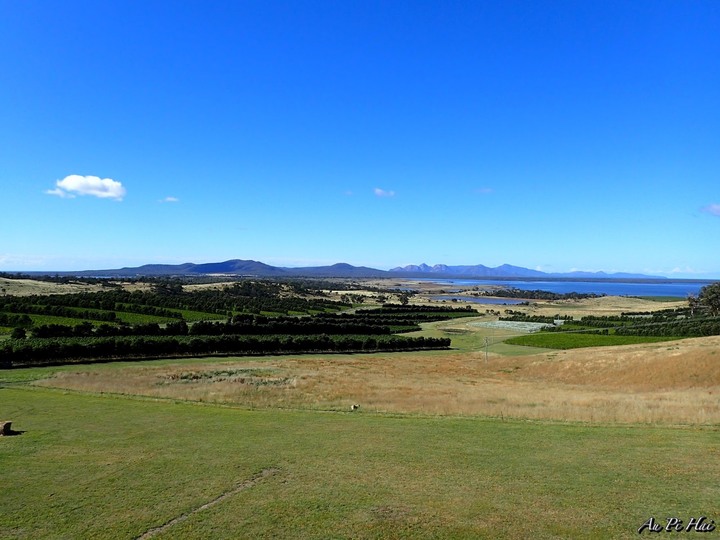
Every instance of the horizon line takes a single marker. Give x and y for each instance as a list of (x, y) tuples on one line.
[(391, 269)]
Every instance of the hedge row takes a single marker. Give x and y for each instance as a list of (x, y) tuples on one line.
[(36, 352)]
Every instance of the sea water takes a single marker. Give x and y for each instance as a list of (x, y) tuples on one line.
[(676, 288)]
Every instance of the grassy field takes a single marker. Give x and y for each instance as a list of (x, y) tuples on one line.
[(90, 466), (142, 318), (38, 320), (673, 299), (26, 287), (192, 316), (575, 340), (647, 384), (489, 440)]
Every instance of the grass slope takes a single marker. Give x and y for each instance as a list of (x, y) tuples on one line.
[(575, 340), (108, 467)]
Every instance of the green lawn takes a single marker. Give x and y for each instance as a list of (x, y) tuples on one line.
[(141, 318), (89, 466), (569, 340), (473, 339), (67, 321), (192, 316)]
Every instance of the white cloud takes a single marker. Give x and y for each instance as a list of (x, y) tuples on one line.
[(685, 270), (60, 193), (73, 185), (713, 209), (383, 193), (170, 199), (23, 262)]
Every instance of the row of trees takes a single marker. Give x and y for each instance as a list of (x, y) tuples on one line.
[(14, 320), (380, 321), (86, 329), (693, 327), (297, 326), (34, 352), (397, 308), (56, 311), (249, 296), (242, 325), (701, 318), (540, 295)]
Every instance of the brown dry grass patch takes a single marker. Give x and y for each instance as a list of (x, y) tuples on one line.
[(27, 287), (669, 383), (606, 305)]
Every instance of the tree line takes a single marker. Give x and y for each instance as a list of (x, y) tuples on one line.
[(36, 352), (700, 318), (513, 292)]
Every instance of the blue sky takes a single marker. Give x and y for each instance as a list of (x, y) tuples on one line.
[(552, 135)]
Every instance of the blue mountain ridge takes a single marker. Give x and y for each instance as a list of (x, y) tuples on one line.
[(239, 267)]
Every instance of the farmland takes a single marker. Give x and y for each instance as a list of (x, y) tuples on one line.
[(610, 330), (249, 317), (488, 439)]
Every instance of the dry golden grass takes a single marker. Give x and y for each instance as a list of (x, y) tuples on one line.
[(670, 383), (26, 287), (606, 305), (217, 285)]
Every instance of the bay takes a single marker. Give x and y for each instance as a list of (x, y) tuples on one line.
[(672, 288)]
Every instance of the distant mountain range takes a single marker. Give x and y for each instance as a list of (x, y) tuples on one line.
[(238, 267), (510, 271)]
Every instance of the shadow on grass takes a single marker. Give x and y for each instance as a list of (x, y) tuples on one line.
[(12, 433), (7, 431)]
